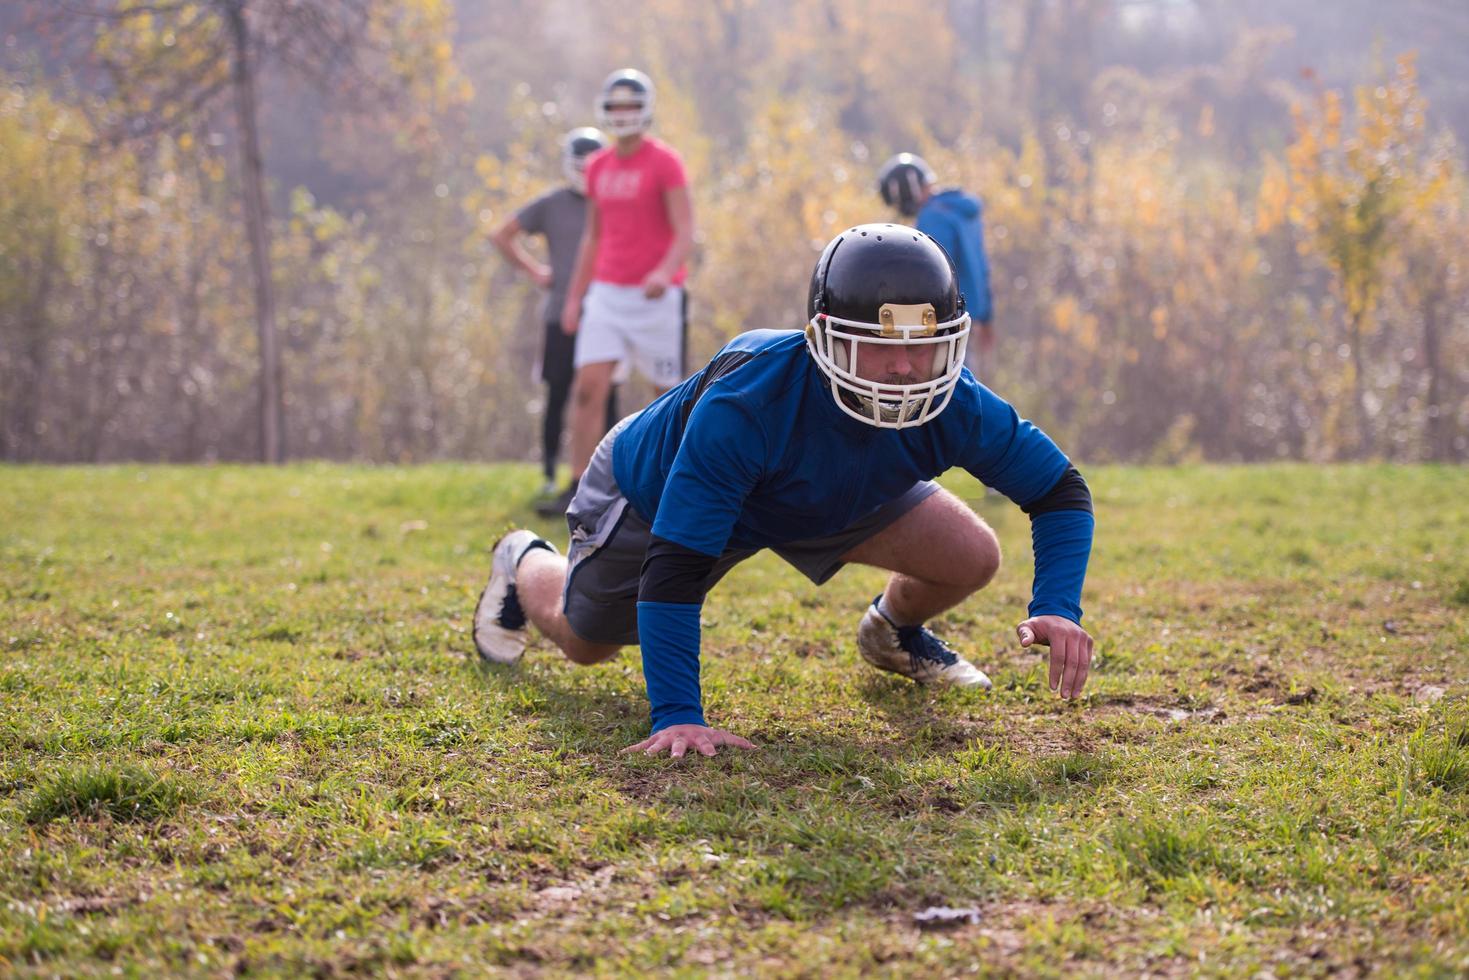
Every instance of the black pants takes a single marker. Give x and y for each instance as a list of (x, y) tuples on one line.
[(558, 373)]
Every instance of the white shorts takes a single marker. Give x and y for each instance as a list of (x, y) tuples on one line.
[(619, 323)]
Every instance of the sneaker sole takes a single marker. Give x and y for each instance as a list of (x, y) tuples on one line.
[(475, 628)]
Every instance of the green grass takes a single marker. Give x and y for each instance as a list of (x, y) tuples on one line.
[(240, 734), (125, 794)]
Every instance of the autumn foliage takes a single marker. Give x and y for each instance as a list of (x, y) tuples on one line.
[(1165, 289)]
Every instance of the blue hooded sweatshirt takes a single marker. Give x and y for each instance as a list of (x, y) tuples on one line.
[(952, 218)]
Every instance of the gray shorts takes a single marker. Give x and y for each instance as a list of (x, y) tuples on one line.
[(609, 541)]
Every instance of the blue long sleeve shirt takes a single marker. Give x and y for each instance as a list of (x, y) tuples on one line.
[(752, 452)]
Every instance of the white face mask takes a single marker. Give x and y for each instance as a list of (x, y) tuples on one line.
[(838, 346), (574, 169), (626, 121), (626, 116)]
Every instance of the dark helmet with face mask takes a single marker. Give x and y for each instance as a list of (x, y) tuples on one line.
[(882, 285), (901, 182)]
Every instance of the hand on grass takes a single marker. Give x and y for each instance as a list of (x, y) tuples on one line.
[(1071, 650), (678, 739)]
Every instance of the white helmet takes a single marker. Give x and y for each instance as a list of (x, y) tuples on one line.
[(576, 147), (886, 285), (625, 105)]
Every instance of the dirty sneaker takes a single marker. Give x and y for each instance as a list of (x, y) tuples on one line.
[(913, 652), (499, 622)]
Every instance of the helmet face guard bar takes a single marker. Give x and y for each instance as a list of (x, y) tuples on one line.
[(575, 172), (577, 148), (624, 111), (574, 169), (625, 104), (834, 342), (616, 118)]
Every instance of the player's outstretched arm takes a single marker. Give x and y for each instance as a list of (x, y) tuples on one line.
[(1071, 650), (678, 739)]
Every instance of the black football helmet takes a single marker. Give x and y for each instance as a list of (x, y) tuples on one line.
[(576, 146), (883, 285), (625, 105), (901, 182)]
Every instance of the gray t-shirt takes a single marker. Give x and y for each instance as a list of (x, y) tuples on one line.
[(559, 215)]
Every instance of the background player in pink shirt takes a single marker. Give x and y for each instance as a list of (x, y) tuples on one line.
[(626, 300)]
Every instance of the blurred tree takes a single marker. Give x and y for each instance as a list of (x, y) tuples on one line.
[(172, 62), (1436, 287), (1353, 193), (37, 209), (1165, 289)]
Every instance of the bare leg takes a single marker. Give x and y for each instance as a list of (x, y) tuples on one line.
[(539, 580), (940, 552), (588, 412)]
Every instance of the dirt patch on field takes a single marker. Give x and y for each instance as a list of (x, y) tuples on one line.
[(645, 784), (1004, 929), (569, 895), (1261, 680), (1170, 711), (1041, 736), (95, 904)]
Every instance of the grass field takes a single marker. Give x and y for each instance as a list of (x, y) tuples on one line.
[(240, 734)]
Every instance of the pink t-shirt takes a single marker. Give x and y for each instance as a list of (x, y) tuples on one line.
[(635, 232)]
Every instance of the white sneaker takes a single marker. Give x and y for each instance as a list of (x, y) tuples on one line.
[(913, 652), (499, 622)]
